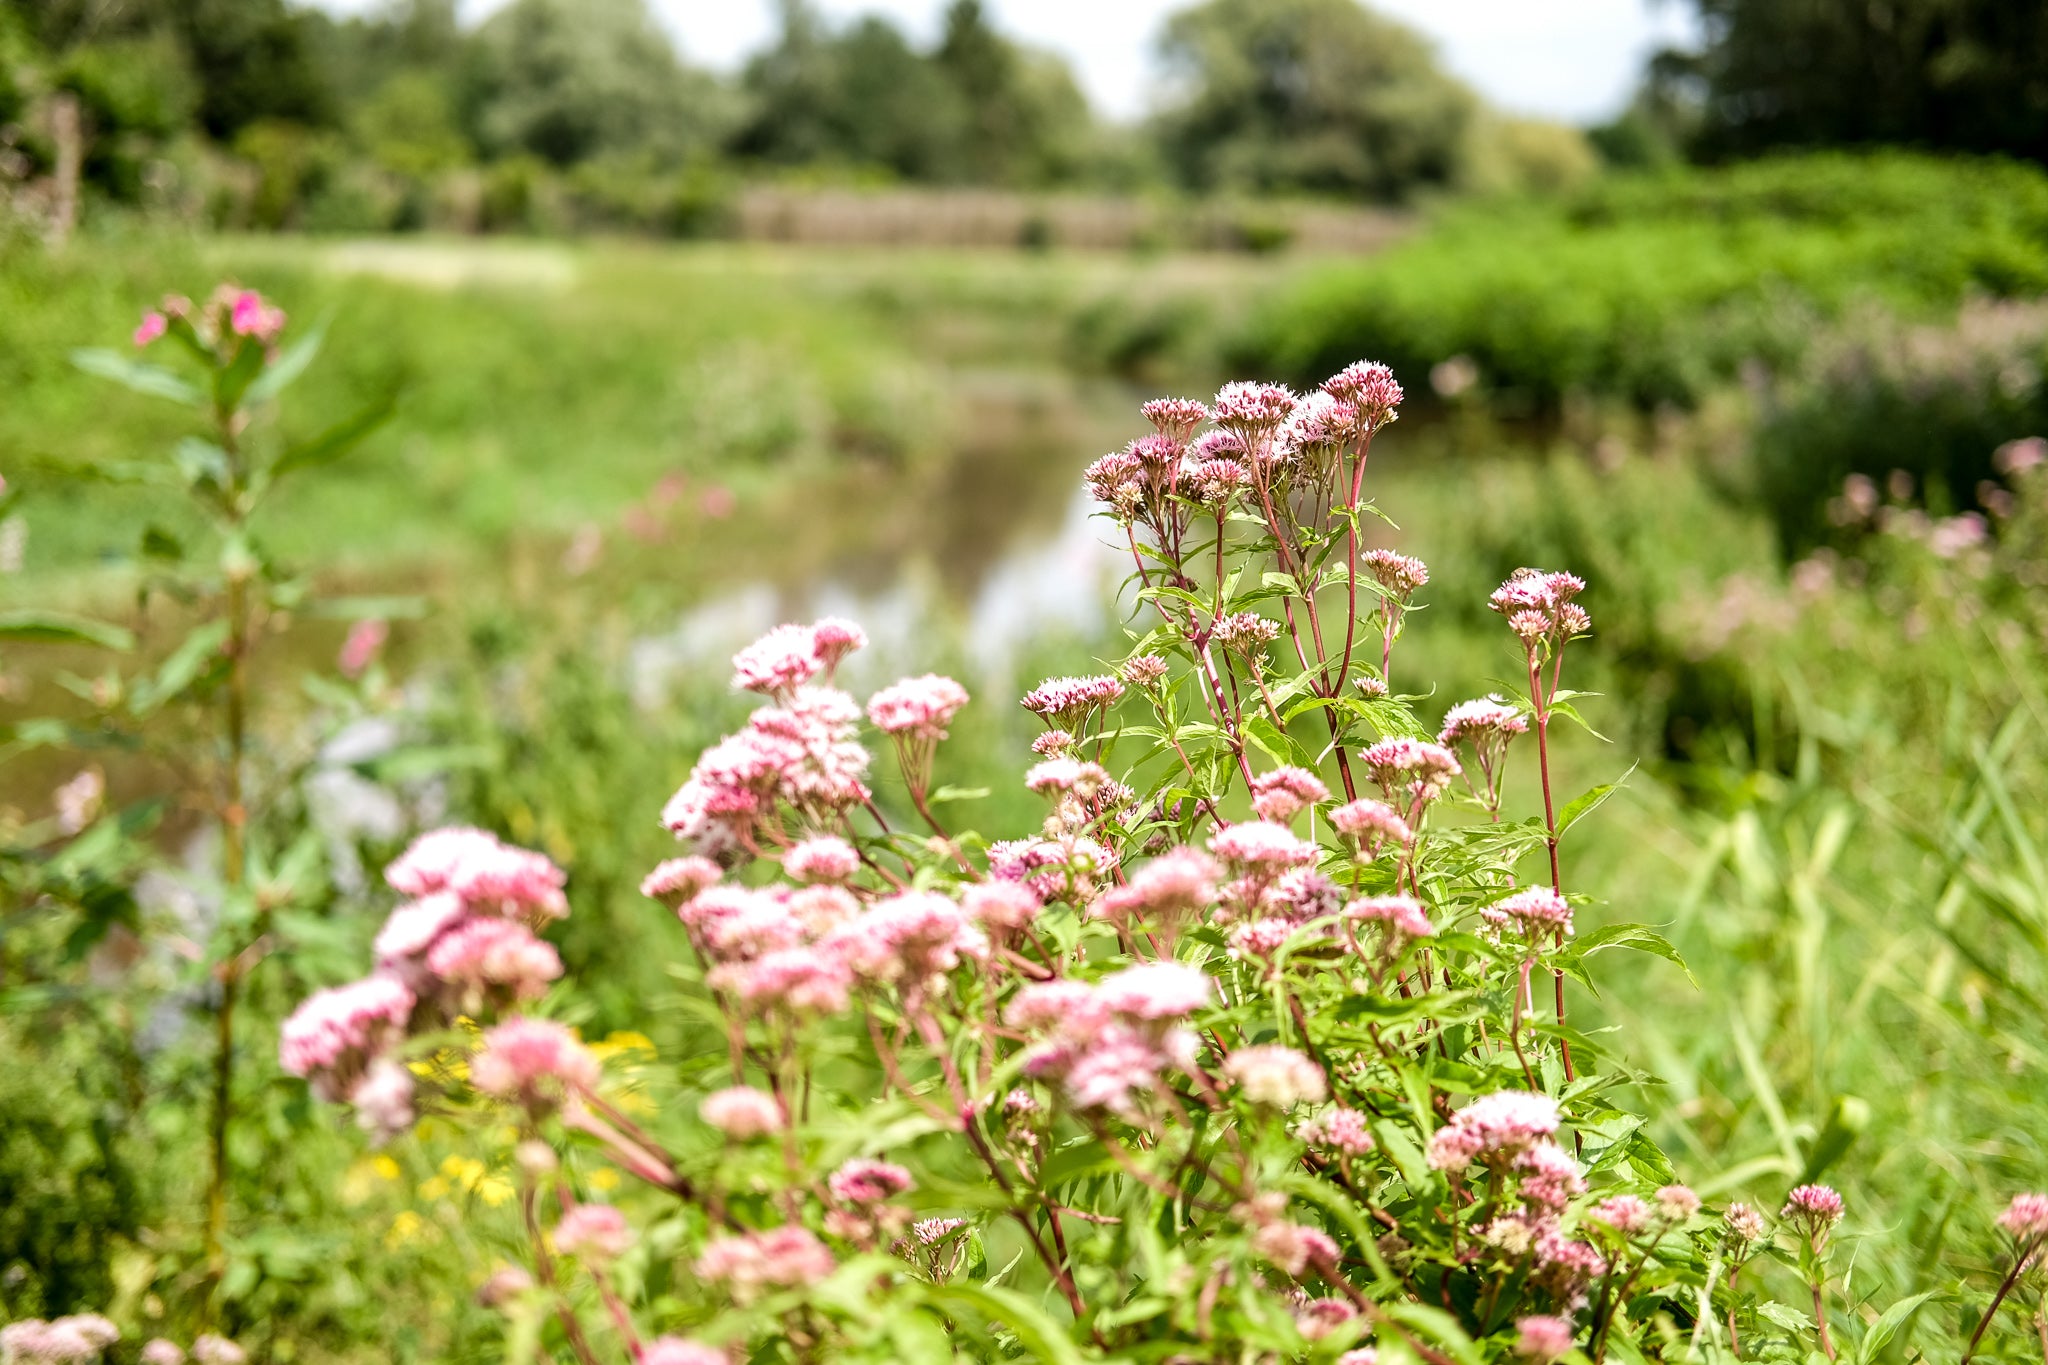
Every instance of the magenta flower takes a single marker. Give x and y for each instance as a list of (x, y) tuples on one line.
[(861, 1181), (1493, 1129), (1543, 1339), (917, 708), (1814, 1208), (593, 1232), (680, 1351), (532, 1060), (152, 326), (781, 1258), (2026, 1217)]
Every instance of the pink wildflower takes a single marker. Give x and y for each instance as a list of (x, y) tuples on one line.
[(1412, 769), (1320, 1317), (1539, 606), (209, 1349), (1816, 1208), (412, 927), (822, 858), (365, 641), (482, 953), (1625, 1213), (492, 877), (1277, 1076), (680, 879), (1156, 990), (1535, 912), (680, 1351), (1363, 1355), (2026, 1217), (1250, 410), (1144, 671), (1175, 417), (1172, 886), (1000, 907), (162, 1352), (1745, 1223), (1400, 575), (594, 1232), (1542, 1338), (383, 1099), (252, 317), (1481, 721), (333, 1033), (909, 937), (834, 638), (917, 708), (1370, 387), (796, 980), (784, 1257), (1280, 794), (1062, 775), (1065, 702), (1260, 938), (1402, 917), (742, 1112), (861, 1181), (1340, 1130), (531, 1059), (779, 662), (1676, 1203), (1371, 823), (1261, 846), (1550, 1176), (1052, 743), (152, 326), (1494, 1129), (1246, 633), (1292, 1248)]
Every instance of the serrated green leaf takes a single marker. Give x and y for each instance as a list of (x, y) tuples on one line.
[(1637, 936)]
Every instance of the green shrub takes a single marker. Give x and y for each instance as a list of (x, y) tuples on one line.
[(1655, 289)]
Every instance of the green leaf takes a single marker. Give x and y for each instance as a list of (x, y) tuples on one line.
[(918, 1338), (335, 442), (1074, 1163), (61, 628), (178, 672), (288, 366), (370, 608), (945, 794), (1887, 1326), (1639, 937), (232, 383), (1590, 802), (1440, 1327), (153, 380), (1846, 1122), (1042, 1338)]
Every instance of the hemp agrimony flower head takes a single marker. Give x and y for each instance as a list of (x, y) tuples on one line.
[(1813, 1210)]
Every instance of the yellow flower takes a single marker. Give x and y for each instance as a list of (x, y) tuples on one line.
[(406, 1227), (494, 1190), (604, 1178), (625, 1040)]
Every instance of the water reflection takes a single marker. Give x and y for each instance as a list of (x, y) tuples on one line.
[(1042, 582)]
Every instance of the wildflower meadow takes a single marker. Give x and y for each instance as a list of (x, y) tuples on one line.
[(1249, 992)]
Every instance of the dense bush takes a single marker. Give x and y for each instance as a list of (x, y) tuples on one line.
[(1655, 290)]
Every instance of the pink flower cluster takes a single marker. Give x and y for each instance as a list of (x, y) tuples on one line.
[(1537, 912), (83, 1336), (1275, 1076), (1401, 918), (789, 656), (1815, 1208), (802, 755), (1261, 848), (537, 1062), (1341, 1130), (1107, 1043), (680, 1351), (917, 708), (742, 1112), (1398, 574), (1542, 1338), (1284, 792), (1493, 1129), (1372, 824), (1540, 609), (595, 1232), (787, 1257), (2026, 1217), (1410, 771), (1066, 703)]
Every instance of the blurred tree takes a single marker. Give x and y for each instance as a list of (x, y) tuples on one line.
[(1026, 120), (566, 80), (863, 96), (1969, 75), (1314, 95), (979, 109), (252, 61)]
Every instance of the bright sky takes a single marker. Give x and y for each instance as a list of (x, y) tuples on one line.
[(1575, 60)]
